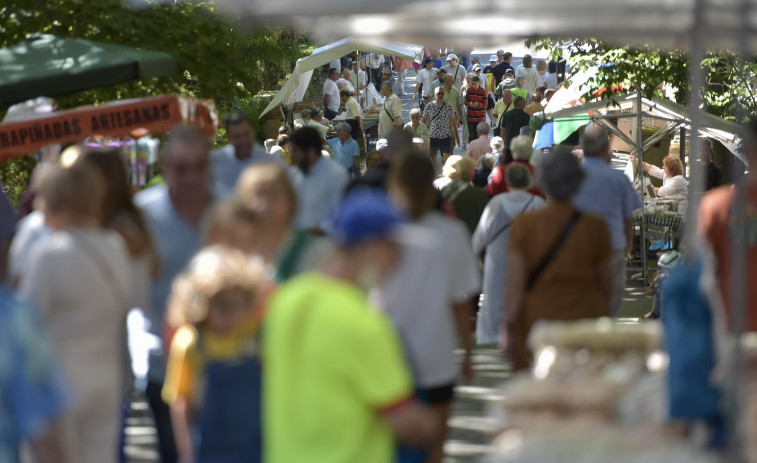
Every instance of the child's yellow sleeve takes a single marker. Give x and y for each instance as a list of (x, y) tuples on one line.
[(183, 366)]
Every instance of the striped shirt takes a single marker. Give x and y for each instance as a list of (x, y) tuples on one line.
[(476, 101)]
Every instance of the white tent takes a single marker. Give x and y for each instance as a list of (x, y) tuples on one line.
[(294, 88)]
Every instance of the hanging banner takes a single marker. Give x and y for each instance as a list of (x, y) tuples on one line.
[(116, 119)]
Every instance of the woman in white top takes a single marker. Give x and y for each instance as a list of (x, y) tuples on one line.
[(80, 279), (493, 236), (673, 183), (529, 73)]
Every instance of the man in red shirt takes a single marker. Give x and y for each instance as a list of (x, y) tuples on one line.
[(716, 216), (521, 150), (476, 104)]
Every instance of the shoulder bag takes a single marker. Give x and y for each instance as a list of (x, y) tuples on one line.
[(564, 233)]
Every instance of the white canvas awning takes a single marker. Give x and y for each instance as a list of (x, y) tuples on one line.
[(294, 88), (676, 115)]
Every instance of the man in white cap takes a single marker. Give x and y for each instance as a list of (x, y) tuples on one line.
[(454, 69)]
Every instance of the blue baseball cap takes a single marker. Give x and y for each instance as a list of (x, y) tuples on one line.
[(366, 214)]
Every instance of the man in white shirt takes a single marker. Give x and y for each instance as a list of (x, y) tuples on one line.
[(426, 77), (455, 70), (391, 114), (331, 95), (345, 82)]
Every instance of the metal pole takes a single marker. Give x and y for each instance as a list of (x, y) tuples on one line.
[(640, 158), (682, 148)]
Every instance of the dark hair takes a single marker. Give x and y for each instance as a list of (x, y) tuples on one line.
[(414, 175), (441, 71), (234, 118), (507, 56), (552, 67), (307, 139), (282, 140), (505, 157), (543, 90), (345, 93), (185, 134), (518, 100), (332, 70)]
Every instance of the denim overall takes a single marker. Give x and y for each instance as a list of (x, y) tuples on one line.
[(230, 420)]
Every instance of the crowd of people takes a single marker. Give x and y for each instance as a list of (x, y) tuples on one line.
[(310, 304)]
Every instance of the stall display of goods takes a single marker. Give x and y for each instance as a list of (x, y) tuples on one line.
[(596, 394)]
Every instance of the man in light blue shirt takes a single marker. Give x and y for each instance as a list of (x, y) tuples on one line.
[(609, 194), (345, 148), (174, 213), (320, 182), (229, 161)]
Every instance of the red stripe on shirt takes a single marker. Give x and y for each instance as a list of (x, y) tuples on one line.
[(476, 95), (405, 401)]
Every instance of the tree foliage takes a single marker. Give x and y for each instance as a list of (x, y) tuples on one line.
[(728, 92), (217, 60)]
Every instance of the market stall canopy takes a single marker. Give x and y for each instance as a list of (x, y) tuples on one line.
[(674, 114), (468, 24), (294, 88), (50, 66), (117, 119)]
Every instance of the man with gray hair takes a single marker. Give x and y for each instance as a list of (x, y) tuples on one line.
[(346, 150), (609, 194), (521, 151), (479, 146), (391, 114)]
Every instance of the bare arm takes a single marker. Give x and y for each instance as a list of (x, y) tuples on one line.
[(628, 227), (453, 125), (463, 311), (413, 424), (326, 100), (515, 291), (180, 420)]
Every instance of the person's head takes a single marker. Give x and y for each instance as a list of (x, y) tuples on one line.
[(117, 195), (595, 143), (475, 59), (372, 160), (483, 129), (269, 143), (234, 225), (411, 183), (486, 163), (468, 80), (386, 89), (439, 93), (343, 131), (507, 57), (283, 141), (441, 74), (560, 175), (306, 114), (552, 67), (521, 147), (475, 82), (305, 148), (267, 190), (240, 133), (344, 95), (477, 70), (285, 130), (519, 102), (218, 291), (539, 95), (507, 96), (509, 73), (346, 73), (705, 150), (465, 169), (528, 61), (549, 93), (518, 177), (500, 55), (362, 64), (520, 82), (672, 166), (186, 165), (333, 74), (366, 229), (316, 115), (541, 67), (448, 169), (415, 116), (72, 196), (497, 144), (526, 130), (493, 60), (452, 60), (428, 63), (449, 81)]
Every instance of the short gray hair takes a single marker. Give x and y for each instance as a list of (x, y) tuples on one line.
[(487, 162), (415, 111), (560, 174), (483, 128), (521, 147), (595, 141), (344, 126), (518, 176)]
